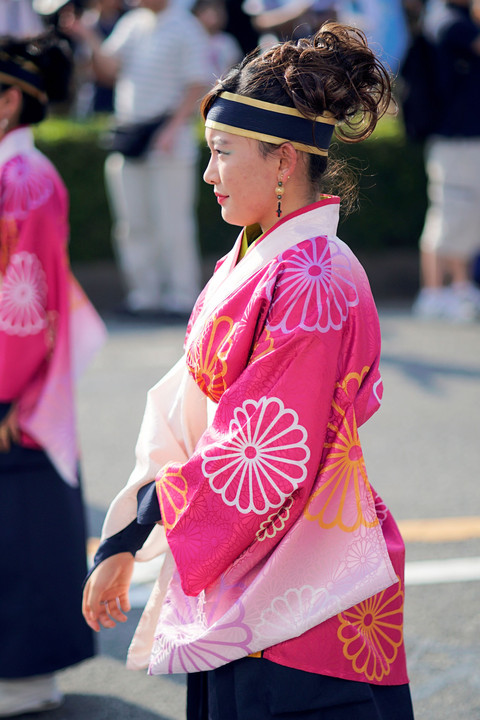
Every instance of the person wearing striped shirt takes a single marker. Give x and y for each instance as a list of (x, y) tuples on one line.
[(157, 58)]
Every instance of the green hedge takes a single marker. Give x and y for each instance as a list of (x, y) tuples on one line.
[(73, 148), (392, 190)]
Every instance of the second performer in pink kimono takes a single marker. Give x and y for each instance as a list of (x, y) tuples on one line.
[(48, 333), (283, 567)]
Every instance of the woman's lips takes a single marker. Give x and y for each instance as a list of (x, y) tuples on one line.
[(220, 198)]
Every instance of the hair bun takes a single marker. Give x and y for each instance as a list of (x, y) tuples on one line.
[(334, 71), (53, 56)]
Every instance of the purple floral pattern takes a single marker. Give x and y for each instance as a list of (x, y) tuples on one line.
[(182, 646)]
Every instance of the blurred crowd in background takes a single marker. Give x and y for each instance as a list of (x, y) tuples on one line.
[(235, 27), (449, 246)]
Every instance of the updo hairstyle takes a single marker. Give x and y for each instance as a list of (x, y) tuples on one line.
[(333, 71), (53, 58)]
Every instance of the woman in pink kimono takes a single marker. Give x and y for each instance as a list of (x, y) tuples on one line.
[(47, 330), (281, 592)]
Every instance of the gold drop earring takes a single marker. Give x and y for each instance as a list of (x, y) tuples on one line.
[(279, 190)]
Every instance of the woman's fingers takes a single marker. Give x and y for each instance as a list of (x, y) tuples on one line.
[(4, 438), (112, 613), (14, 429), (105, 612), (124, 601), (105, 597), (91, 621), (9, 430), (108, 610), (90, 616)]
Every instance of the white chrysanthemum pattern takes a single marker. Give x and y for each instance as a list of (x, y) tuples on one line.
[(25, 187), (289, 614), (363, 556), (316, 288), (263, 460), (23, 296)]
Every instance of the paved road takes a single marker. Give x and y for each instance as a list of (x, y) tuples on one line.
[(423, 454)]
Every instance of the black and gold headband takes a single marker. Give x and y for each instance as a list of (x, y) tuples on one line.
[(15, 70), (241, 115)]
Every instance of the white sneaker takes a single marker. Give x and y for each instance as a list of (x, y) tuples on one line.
[(447, 303), (430, 303), (31, 694), (469, 292), (460, 305)]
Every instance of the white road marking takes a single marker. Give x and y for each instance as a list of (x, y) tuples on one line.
[(422, 572), (429, 572)]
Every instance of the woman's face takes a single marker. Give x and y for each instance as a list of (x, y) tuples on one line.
[(10, 108), (243, 180)]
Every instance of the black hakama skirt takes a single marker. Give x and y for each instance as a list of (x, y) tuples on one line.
[(42, 568), (258, 689)]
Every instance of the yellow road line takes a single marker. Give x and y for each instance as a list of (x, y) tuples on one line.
[(427, 530), (436, 530)]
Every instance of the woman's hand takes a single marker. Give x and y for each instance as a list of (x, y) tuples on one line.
[(105, 598), (9, 430)]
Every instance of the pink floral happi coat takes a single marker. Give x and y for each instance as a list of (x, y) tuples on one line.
[(48, 328), (276, 540)]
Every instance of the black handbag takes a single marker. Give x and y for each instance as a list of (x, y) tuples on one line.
[(132, 139)]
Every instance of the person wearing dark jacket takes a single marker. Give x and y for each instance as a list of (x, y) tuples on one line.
[(451, 238)]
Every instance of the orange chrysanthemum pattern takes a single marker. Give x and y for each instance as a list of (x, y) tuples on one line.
[(372, 633), (172, 495), (207, 358), (351, 384), (264, 346), (344, 498)]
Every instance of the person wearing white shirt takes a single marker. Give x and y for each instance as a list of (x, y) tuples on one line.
[(157, 58)]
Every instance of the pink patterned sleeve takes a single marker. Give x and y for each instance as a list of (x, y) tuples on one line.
[(258, 460), (291, 361), (33, 256)]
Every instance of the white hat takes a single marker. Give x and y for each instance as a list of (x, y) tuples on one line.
[(48, 7), (269, 13)]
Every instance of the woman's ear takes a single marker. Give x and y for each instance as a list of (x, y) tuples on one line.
[(288, 159)]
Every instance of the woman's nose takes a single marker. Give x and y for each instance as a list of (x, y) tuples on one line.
[(209, 174)]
